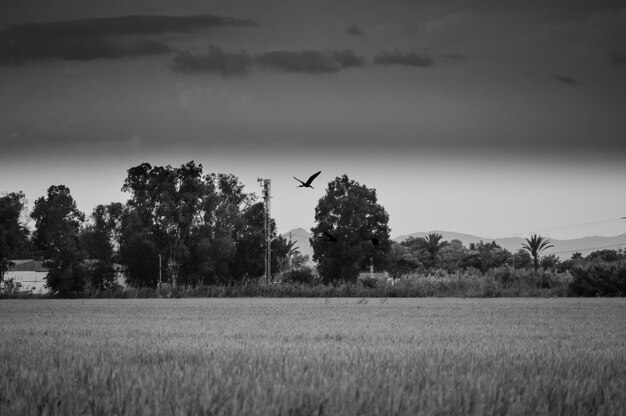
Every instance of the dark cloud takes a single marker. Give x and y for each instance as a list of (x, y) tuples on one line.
[(348, 59), (125, 25), (403, 58), (214, 60), (228, 63), (617, 57), (565, 79), (313, 62), (111, 38), (354, 30), (80, 49)]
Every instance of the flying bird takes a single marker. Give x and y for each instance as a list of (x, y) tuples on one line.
[(329, 237), (309, 181)]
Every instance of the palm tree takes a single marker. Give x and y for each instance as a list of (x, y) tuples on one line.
[(535, 245), (432, 243)]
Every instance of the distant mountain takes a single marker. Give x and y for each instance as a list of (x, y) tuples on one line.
[(562, 248), (447, 235), (301, 236)]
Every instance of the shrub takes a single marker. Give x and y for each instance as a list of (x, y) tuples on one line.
[(303, 275), (599, 279)]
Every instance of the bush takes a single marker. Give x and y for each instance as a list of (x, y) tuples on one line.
[(599, 279), (370, 282), (303, 275), (497, 282)]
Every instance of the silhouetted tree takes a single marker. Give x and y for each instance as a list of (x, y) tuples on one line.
[(432, 244), (13, 232), (282, 251), (400, 260), (99, 240), (205, 227), (57, 227), (603, 255), (249, 261), (522, 259), (139, 253), (351, 213), (550, 262), (451, 256), (535, 245)]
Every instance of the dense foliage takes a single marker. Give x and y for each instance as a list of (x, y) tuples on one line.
[(351, 232), (205, 228), (58, 222), (13, 232), (599, 279), (203, 236)]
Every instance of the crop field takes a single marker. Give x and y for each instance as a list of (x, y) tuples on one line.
[(313, 356)]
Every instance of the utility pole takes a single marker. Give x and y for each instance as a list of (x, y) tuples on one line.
[(267, 228), (290, 258)]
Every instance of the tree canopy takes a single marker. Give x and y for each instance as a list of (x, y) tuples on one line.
[(58, 222), (205, 227), (351, 214), (535, 245), (13, 232)]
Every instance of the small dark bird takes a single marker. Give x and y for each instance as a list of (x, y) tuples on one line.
[(309, 181), (329, 237), (375, 241)]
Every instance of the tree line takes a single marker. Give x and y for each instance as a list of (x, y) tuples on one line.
[(179, 225), (193, 229), (425, 254)]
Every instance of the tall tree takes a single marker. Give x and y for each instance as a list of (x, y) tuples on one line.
[(166, 201), (535, 245), (282, 251), (204, 227), (432, 244), (139, 254), (250, 241), (229, 236), (400, 260), (521, 259), (350, 213), (13, 232), (99, 240), (484, 256), (451, 256), (57, 227)]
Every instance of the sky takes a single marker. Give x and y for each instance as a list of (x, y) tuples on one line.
[(491, 118)]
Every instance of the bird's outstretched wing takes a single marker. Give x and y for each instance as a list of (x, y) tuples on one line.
[(303, 184), (312, 178)]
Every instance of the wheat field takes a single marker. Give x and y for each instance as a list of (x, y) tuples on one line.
[(313, 356)]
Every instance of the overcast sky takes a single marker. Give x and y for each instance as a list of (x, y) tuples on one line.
[(486, 117)]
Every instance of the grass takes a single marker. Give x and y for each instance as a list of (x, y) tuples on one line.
[(313, 356)]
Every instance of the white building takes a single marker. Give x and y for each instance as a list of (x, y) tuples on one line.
[(27, 276)]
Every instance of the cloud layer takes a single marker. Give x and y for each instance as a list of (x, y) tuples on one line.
[(306, 61), (80, 49), (239, 63), (125, 25), (214, 60), (110, 38), (313, 62), (403, 58)]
